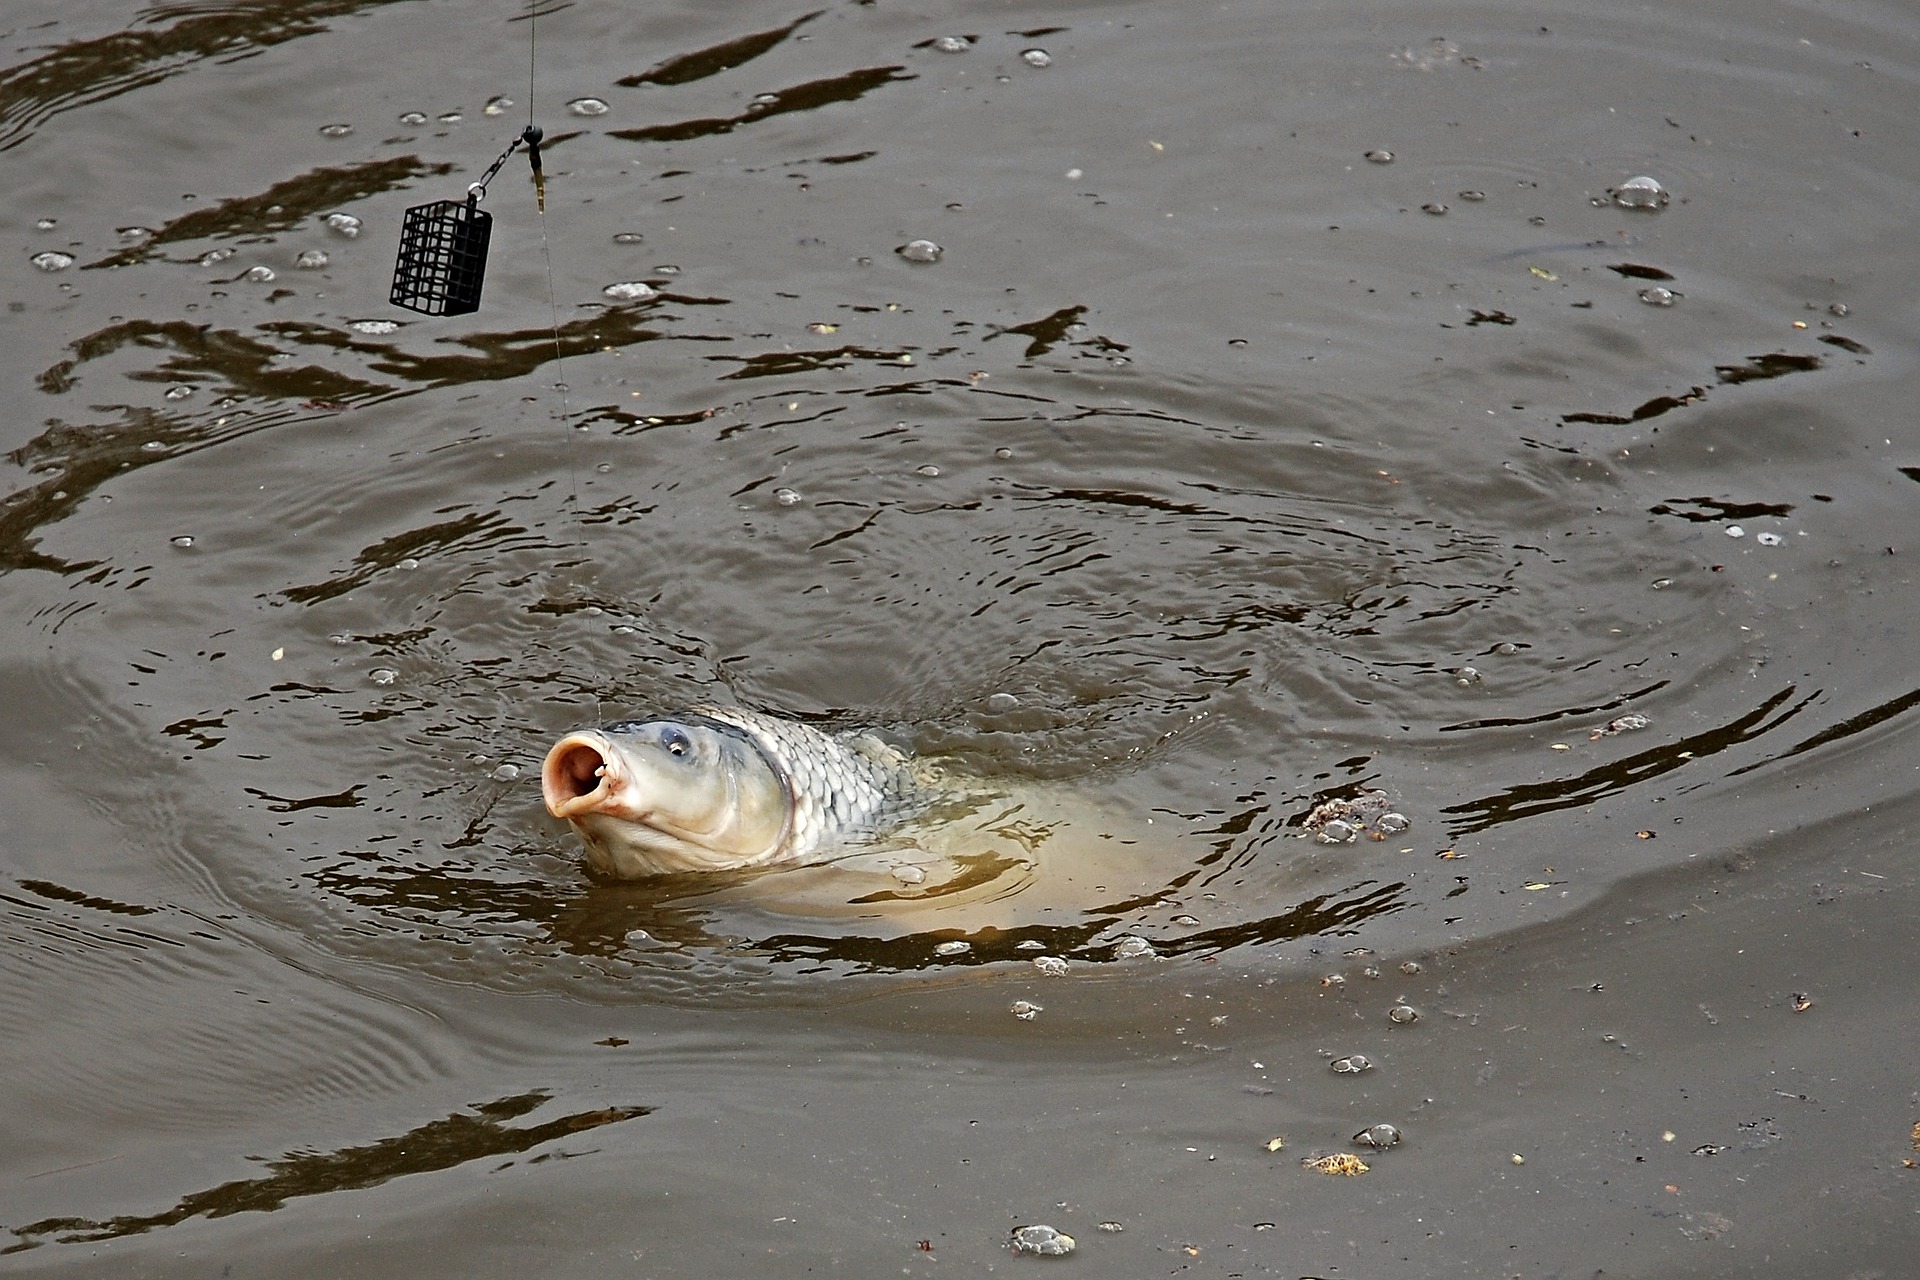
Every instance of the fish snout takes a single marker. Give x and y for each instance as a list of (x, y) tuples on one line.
[(581, 775)]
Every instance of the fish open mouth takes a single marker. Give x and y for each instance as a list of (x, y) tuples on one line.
[(577, 776)]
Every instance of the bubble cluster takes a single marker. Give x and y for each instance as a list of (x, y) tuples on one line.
[(1042, 1240), (1052, 966), (1351, 1065), (375, 327), (1640, 193), (343, 224), (631, 291)]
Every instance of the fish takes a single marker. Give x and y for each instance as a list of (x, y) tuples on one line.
[(729, 789)]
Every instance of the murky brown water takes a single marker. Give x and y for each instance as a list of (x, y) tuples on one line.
[(1214, 470)]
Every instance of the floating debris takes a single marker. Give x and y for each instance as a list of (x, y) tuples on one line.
[(1343, 820), (1620, 724), (1276, 1143), (1343, 1164), (1041, 1240), (1803, 1002)]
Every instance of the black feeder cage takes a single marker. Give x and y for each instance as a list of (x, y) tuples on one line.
[(443, 246), (443, 257)]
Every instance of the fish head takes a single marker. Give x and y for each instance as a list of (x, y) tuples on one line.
[(649, 797)]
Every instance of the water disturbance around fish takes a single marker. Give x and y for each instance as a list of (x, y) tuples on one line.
[(1290, 606)]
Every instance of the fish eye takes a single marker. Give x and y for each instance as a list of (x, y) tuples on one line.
[(676, 742)]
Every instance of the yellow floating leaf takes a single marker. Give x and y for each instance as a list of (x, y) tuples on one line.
[(1274, 1144), (1539, 884), (1543, 273), (1339, 1165)]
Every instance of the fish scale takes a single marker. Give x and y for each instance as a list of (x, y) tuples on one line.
[(840, 784)]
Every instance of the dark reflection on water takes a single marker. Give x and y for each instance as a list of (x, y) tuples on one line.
[(280, 207), (685, 68), (847, 87), (1778, 364), (438, 1144), (1535, 798), (85, 71)]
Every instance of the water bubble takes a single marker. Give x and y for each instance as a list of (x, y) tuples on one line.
[(1768, 539), (52, 260), (999, 702), (956, 947), (786, 497), (1402, 1014), (213, 257), (1392, 824), (1466, 676), (1661, 584), (1352, 1064), (343, 224), (383, 675), (1025, 1010), (920, 251), (1436, 209), (413, 118), (1506, 648), (1378, 1135), (627, 237), (1411, 967), (1658, 296), (1052, 966), (374, 326), (1036, 58), (1473, 197), (180, 392), (588, 107), (506, 773), (496, 106), (183, 540), (1333, 980), (907, 873), (153, 446), (953, 44), (335, 130), (1735, 531), (134, 235), (1185, 921), (261, 275), (1380, 156), (1838, 309), (407, 563), (450, 117), (667, 269), (624, 630), (631, 291), (1003, 454), (1640, 193), (1338, 831), (45, 224), (603, 467), (1029, 944), (311, 259), (928, 470), (1132, 948), (1042, 1240), (339, 637)]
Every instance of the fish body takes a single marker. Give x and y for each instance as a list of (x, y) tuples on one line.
[(723, 788)]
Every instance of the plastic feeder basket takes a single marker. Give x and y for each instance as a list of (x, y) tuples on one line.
[(443, 258)]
